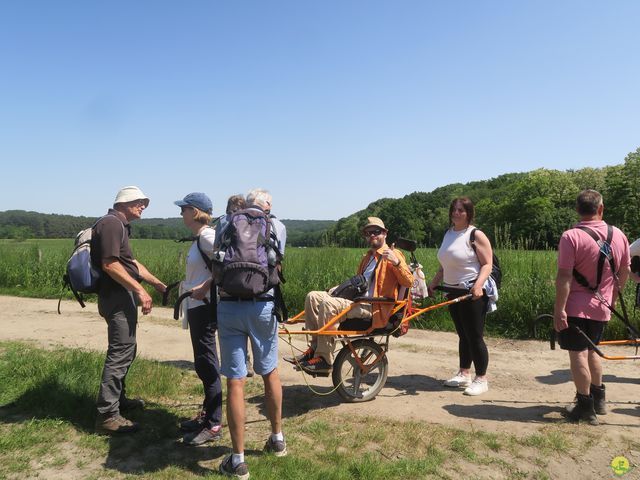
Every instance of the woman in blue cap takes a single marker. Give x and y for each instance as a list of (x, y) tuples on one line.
[(196, 210)]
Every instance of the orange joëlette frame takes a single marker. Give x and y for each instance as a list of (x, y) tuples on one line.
[(410, 313)]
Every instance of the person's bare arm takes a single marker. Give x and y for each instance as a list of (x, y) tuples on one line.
[(563, 286), (148, 277)]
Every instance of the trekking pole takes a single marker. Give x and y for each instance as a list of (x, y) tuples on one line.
[(165, 295), (176, 307)]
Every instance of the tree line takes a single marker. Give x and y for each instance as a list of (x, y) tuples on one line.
[(516, 210), (21, 224)]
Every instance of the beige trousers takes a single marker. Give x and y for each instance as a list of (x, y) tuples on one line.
[(319, 308)]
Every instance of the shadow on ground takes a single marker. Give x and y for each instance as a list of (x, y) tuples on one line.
[(299, 399), (411, 384), (502, 413), (557, 377), (154, 448)]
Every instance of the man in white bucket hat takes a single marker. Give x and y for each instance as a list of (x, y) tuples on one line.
[(120, 287)]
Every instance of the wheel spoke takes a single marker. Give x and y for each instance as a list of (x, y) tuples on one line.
[(357, 377)]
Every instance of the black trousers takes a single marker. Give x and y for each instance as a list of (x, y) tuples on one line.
[(469, 317), (205, 359)]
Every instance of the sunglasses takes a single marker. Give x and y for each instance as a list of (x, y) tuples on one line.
[(184, 209), (375, 233)]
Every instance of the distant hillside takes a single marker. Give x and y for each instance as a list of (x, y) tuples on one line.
[(307, 233), (529, 209), (21, 224)]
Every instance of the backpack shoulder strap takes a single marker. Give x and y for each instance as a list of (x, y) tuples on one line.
[(205, 258), (110, 215), (605, 253), (472, 239)]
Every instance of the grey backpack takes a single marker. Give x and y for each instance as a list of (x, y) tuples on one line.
[(245, 262)]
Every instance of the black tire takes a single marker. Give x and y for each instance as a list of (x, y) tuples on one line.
[(347, 378)]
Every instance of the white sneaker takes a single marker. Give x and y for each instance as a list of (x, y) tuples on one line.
[(460, 380), (477, 387)]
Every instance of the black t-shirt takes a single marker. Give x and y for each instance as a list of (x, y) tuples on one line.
[(110, 239)]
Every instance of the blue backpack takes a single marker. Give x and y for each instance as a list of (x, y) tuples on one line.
[(81, 276)]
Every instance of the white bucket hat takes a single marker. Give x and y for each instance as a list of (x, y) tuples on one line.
[(130, 194)]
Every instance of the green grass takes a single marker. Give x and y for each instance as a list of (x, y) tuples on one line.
[(35, 267), (47, 413)]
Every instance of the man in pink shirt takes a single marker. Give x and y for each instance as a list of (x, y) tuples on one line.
[(578, 304)]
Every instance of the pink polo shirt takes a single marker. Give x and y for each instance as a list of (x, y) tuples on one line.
[(578, 250)]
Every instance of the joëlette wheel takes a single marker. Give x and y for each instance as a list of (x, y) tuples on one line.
[(355, 383)]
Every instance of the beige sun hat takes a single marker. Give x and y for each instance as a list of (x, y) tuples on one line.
[(374, 222), (130, 194)]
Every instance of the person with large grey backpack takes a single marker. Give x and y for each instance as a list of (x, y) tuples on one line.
[(247, 270), (119, 288)]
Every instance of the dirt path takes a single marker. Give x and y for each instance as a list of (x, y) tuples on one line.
[(529, 383)]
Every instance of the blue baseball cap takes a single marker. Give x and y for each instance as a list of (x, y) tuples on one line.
[(198, 200)]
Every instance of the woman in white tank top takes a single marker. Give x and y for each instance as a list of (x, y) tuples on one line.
[(462, 267)]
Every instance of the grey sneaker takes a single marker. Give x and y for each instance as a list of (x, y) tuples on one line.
[(193, 425), (205, 435), (240, 471), (110, 424), (277, 447)]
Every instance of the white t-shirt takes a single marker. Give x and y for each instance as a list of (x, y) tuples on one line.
[(197, 271), (459, 262), (634, 248)]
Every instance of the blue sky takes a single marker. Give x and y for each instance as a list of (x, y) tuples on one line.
[(328, 104)]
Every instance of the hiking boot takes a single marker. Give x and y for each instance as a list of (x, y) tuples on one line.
[(131, 404), (240, 471), (316, 365), (599, 400), (205, 435), (477, 387), (583, 410), (460, 380), (277, 447), (195, 424), (305, 357), (110, 424)]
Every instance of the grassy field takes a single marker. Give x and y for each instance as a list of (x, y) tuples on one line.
[(34, 268), (47, 413)]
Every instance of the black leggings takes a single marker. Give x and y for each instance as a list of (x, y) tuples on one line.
[(468, 317), (205, 360)]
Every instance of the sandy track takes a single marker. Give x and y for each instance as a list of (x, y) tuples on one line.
[(529, 383)]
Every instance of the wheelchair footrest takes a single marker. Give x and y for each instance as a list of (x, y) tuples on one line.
[(312, 374)]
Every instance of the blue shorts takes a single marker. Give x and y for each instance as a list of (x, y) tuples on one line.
[(239, 321)]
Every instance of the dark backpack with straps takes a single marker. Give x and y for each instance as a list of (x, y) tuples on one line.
[(496, 271), (246, 263), (605, 253)]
